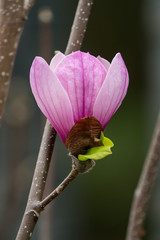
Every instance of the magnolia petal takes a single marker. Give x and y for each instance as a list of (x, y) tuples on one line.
[(56, 60), (112, 92), (51, 97), (105, 63), (82, 76)]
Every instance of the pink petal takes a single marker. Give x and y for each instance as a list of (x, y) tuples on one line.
[(112, 92), (105, 63), (82, 76), (56, 60), (51, 97)]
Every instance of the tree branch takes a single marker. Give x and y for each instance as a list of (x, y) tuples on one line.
[(32, 211), (143, 190), (12, 18), (27, 4), (31, 215), (72, 175), (79, 26)]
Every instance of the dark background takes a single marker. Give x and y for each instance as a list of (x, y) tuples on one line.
[(96, 205)]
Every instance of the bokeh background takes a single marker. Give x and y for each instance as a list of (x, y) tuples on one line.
[(96, 205)]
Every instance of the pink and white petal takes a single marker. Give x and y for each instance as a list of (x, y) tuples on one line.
[(56, 60), (112, 92), (82, 76), (105, 63), (51, 97), (124, 92)]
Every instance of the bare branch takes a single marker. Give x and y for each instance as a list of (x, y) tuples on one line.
[(28, 4), (72, 175), (41, 170), (79, 26), (12, 19), (42, 167), (143, 191), (38, 183)]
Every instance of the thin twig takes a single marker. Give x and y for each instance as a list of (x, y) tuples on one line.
[(143, 191), (12, 18), (31, 214), (72, 175)]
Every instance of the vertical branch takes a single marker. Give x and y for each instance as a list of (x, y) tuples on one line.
[(79, 26), (143, 191), (12, 18), (31, 215), (32, 211), (42, 166)]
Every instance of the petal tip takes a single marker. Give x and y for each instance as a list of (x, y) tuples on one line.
[(118, 56), (118, 59), (37, 62)]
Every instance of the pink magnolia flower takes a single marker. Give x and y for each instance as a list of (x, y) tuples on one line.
[(76, 86)]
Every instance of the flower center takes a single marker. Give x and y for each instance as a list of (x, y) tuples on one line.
[(83, 135)]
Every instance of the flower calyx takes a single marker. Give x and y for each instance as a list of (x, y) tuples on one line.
[(83, 135), (87, 143)]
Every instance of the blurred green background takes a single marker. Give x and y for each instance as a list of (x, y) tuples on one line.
[(96, 205)]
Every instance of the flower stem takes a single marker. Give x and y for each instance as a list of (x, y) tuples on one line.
[(34, 208), (143, 191), (72, 175)]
